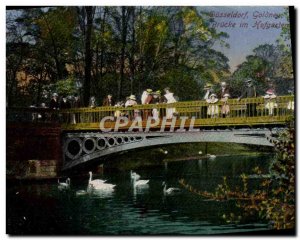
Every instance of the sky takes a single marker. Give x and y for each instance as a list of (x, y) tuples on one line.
[(243, 40)]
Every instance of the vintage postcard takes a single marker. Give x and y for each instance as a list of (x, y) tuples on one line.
[(150, 120)]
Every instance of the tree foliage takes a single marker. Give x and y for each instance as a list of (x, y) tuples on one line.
[(268, 62), (121, 50), (125, 49)]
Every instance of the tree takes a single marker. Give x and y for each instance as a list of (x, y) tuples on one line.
[(86, 19), (47, 38), (119, 50), (255, 68), (268, 61), (16, 53)]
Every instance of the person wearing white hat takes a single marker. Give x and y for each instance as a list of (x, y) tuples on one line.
[(130, 103), (144, 97), (270, 101), (208, 91), (170, 99), (119, 113), (213, 108), (225, 109), (92, 103)]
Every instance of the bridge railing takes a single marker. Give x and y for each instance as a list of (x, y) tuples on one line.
[(231, 112)]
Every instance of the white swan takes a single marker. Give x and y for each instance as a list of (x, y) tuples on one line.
[(211, 156), (81, 193), (98, 184), (95, 182), (64, 185), (140, 183), (134, 175), (170, 191)]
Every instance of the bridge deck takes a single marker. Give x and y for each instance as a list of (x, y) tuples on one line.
[(196, 113)]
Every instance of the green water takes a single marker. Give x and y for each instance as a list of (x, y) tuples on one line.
[(43, 209)]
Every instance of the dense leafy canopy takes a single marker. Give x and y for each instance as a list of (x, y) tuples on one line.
[(124, 50)]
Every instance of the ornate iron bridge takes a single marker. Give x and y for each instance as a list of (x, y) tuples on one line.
[(82, 147), (84, 141)]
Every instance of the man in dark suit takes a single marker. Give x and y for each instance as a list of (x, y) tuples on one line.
[(77, 101), (65, 103), (249, 92), (224, 90), (54, 105), (54, 102)]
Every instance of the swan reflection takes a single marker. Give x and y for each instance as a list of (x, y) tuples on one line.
[(100, 193)]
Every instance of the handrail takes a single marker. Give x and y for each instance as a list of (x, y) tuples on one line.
[(232, 112)]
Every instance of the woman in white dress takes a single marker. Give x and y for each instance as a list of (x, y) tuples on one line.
[(129, 103), (213, 108), (291, 103), (170, 99), (270, 101), (225, 109), (156, 100)]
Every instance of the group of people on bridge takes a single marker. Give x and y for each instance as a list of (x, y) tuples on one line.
[(217, 102)]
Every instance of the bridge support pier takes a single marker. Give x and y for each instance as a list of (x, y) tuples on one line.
[(33, 151)]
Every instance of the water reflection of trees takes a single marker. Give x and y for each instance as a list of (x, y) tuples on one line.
[(273, 199)]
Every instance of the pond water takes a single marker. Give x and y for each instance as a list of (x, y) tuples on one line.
[(43, 209)]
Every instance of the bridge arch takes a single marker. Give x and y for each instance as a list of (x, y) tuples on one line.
[(105, 144)]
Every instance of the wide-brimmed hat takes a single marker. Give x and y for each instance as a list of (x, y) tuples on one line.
[(149, 90), (226, 95), (132, 97), (158, 92), (54, 95), (213, 95), (249, 80), (208, 85), (223, 84), (270, 91)]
